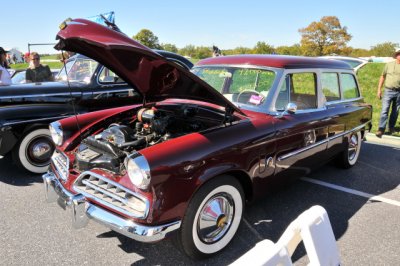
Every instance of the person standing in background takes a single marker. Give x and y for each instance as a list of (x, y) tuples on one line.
[(5, 77), (37, 72), (391, 97)]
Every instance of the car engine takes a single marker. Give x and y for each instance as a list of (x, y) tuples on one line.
[(108, 149)]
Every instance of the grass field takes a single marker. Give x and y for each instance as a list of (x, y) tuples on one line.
[(368, 78)]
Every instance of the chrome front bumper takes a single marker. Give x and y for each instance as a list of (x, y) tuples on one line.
[(82, 211)]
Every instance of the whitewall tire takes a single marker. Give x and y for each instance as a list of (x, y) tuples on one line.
[(349, 157), (34, 151), (212, 218)]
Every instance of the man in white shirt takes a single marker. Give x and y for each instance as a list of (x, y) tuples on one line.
[(5, 77)]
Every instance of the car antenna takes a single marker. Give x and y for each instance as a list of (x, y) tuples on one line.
[(70, 93)]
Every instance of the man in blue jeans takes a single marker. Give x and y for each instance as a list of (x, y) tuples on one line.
[(391, 78)]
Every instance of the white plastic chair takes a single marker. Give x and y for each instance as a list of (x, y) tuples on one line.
[(313, 227)]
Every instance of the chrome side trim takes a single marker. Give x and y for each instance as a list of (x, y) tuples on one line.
[(82, 210), (35, 120), (99, 192), (41, 95), (296, 152)]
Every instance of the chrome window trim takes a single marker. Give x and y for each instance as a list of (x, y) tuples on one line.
[(274, 69), (296, 152), (343, 101), (107, 83), (107, 204), (108, 91)]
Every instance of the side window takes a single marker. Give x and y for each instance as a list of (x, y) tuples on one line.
[(283, 97), (107, 76), (303, 90), (349, 86), (330, 86)]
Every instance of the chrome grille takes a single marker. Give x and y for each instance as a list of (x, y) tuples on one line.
[(61, 163), (111, 194)]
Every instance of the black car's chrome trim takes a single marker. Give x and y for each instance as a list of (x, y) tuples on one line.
[(68, 94), (301, 150), (35, 120), (40, 95), (108, 91)]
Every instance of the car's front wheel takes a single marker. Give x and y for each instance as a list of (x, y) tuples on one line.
[(212, 217), (348, 158), (34, 151)]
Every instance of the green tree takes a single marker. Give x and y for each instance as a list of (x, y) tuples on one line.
[(324, 37), (384, 49), (203, 52), (263, 48), (147, 38), (289, 50), (359, 52), (169, 47), (242, 50), (188, 50)]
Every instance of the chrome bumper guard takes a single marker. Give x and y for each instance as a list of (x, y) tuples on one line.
[(82, 211)]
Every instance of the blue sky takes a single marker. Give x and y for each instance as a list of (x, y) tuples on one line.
[(227, 24)]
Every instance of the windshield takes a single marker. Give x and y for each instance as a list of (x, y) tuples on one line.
[(79, 70), (242, 86)]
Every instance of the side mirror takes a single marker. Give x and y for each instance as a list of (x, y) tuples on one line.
[(291, 108)]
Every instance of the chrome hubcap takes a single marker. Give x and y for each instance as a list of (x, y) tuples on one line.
[(40, 150), (353, 147), (215, 218)]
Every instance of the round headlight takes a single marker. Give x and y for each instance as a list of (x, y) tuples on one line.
[(56, 133), (138, 171)]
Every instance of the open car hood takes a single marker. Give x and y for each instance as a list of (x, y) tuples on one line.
[(153, 76)]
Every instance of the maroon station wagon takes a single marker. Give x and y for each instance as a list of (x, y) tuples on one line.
[(199, 144)]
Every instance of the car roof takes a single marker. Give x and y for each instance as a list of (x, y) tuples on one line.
[(277, 61), (361, 60)]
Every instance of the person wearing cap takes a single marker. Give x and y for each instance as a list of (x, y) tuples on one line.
[(5, 77), (37, 72), (391, 97)]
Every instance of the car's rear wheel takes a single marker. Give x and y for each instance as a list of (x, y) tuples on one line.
[(212, 217), (34, 151), (348, 158)]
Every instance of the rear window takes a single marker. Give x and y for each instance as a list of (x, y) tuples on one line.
[(330, 86), (349, 86)]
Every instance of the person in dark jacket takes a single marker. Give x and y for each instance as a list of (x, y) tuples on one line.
[(38, 72), (5, 77)]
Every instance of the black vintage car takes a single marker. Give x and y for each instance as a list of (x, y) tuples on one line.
[(83, 85)]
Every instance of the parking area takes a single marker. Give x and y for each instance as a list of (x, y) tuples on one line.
[(363, 204)]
